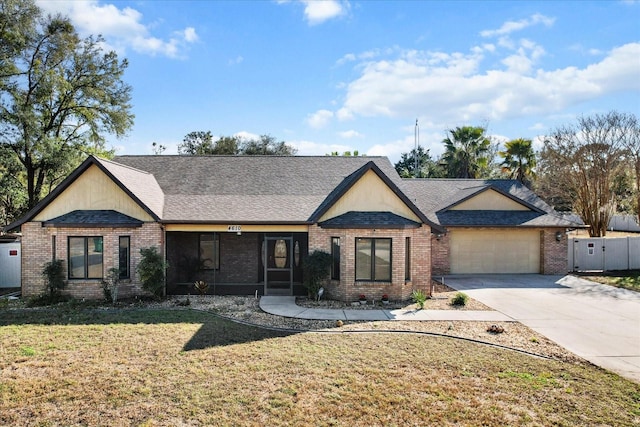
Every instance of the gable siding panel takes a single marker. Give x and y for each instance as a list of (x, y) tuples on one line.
[(93, 191), (490, 200), (370, 194)]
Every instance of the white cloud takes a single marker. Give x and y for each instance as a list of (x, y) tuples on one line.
[(451, 87), (122, 28), (309, 148), (237, 60), (350, 134), (344, 114), (512, 26), (319, 11), (319, 119), (246, 135), (190, 35)]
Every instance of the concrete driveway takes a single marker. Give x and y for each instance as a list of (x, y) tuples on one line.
[(597, 322)]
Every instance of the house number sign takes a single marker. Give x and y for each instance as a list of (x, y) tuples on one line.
[(234, 228)]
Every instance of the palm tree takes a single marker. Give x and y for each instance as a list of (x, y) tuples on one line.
[(519, 160), (466, 153)]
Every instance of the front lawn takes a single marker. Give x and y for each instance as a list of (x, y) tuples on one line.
[(620, 279), (184, 367)]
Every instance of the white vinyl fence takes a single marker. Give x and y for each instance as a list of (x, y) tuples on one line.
[(624, 223), (604, 254), (10, 255)]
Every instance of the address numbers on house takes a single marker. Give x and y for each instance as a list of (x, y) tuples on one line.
[(234, 228)]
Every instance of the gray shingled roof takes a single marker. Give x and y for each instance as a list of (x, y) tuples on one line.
[(369, 219), (97, 218), (141, 183), (289, 189), (433, 196), (268, 189)]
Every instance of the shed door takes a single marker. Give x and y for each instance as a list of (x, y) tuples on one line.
[(10, 265), (495, 251)]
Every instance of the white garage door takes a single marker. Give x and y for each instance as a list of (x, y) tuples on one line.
[(495, 251)]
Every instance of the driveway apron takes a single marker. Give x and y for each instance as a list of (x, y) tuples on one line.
[(597, 322)]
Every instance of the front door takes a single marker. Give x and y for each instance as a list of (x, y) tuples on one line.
[(277, 256)]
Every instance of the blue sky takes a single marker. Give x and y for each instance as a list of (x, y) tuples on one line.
[(355, 75)]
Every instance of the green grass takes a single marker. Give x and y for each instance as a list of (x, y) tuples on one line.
[(620, 279), (95, 366)]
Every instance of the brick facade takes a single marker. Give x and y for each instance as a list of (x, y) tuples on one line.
[(348, 289), (553, 252), (37, 249), (440, 258)]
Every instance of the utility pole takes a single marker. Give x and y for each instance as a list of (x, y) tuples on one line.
[(416, 137)]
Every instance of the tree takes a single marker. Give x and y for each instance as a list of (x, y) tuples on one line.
[(197, 143), (467, 152), (586, 157), (421, 165), (157, 148), (201, 143), (59, 96), (227, 145), (631, 143), (355, 153), (519, 160), (266, 145)]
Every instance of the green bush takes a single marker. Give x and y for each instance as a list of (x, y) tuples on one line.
[(53, 273), (460, 299), (419, 297), (151, 270), (315, 270), (46, 299)]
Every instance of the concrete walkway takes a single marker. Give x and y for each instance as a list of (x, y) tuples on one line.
[(597, 322), (286, 307)]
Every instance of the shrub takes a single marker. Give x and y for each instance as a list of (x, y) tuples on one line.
[(419, 297), (53, 273), (151, 270), (201, 286), (460, 299), (110, 285), (46, 299), (315, 270)]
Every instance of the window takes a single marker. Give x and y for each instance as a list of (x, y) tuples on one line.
[(209, 251), (373, 259), (407, 258), (335, 258), (53, 247), (85, 257), (124, 257)]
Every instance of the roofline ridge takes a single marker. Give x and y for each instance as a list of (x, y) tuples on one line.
[(320, 156), (100, 159)]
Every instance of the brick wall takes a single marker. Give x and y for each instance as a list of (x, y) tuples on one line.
[(348, 289), (440, 254), (37, 249), (553, 253)]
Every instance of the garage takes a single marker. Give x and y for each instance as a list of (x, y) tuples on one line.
[(495, 251)]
